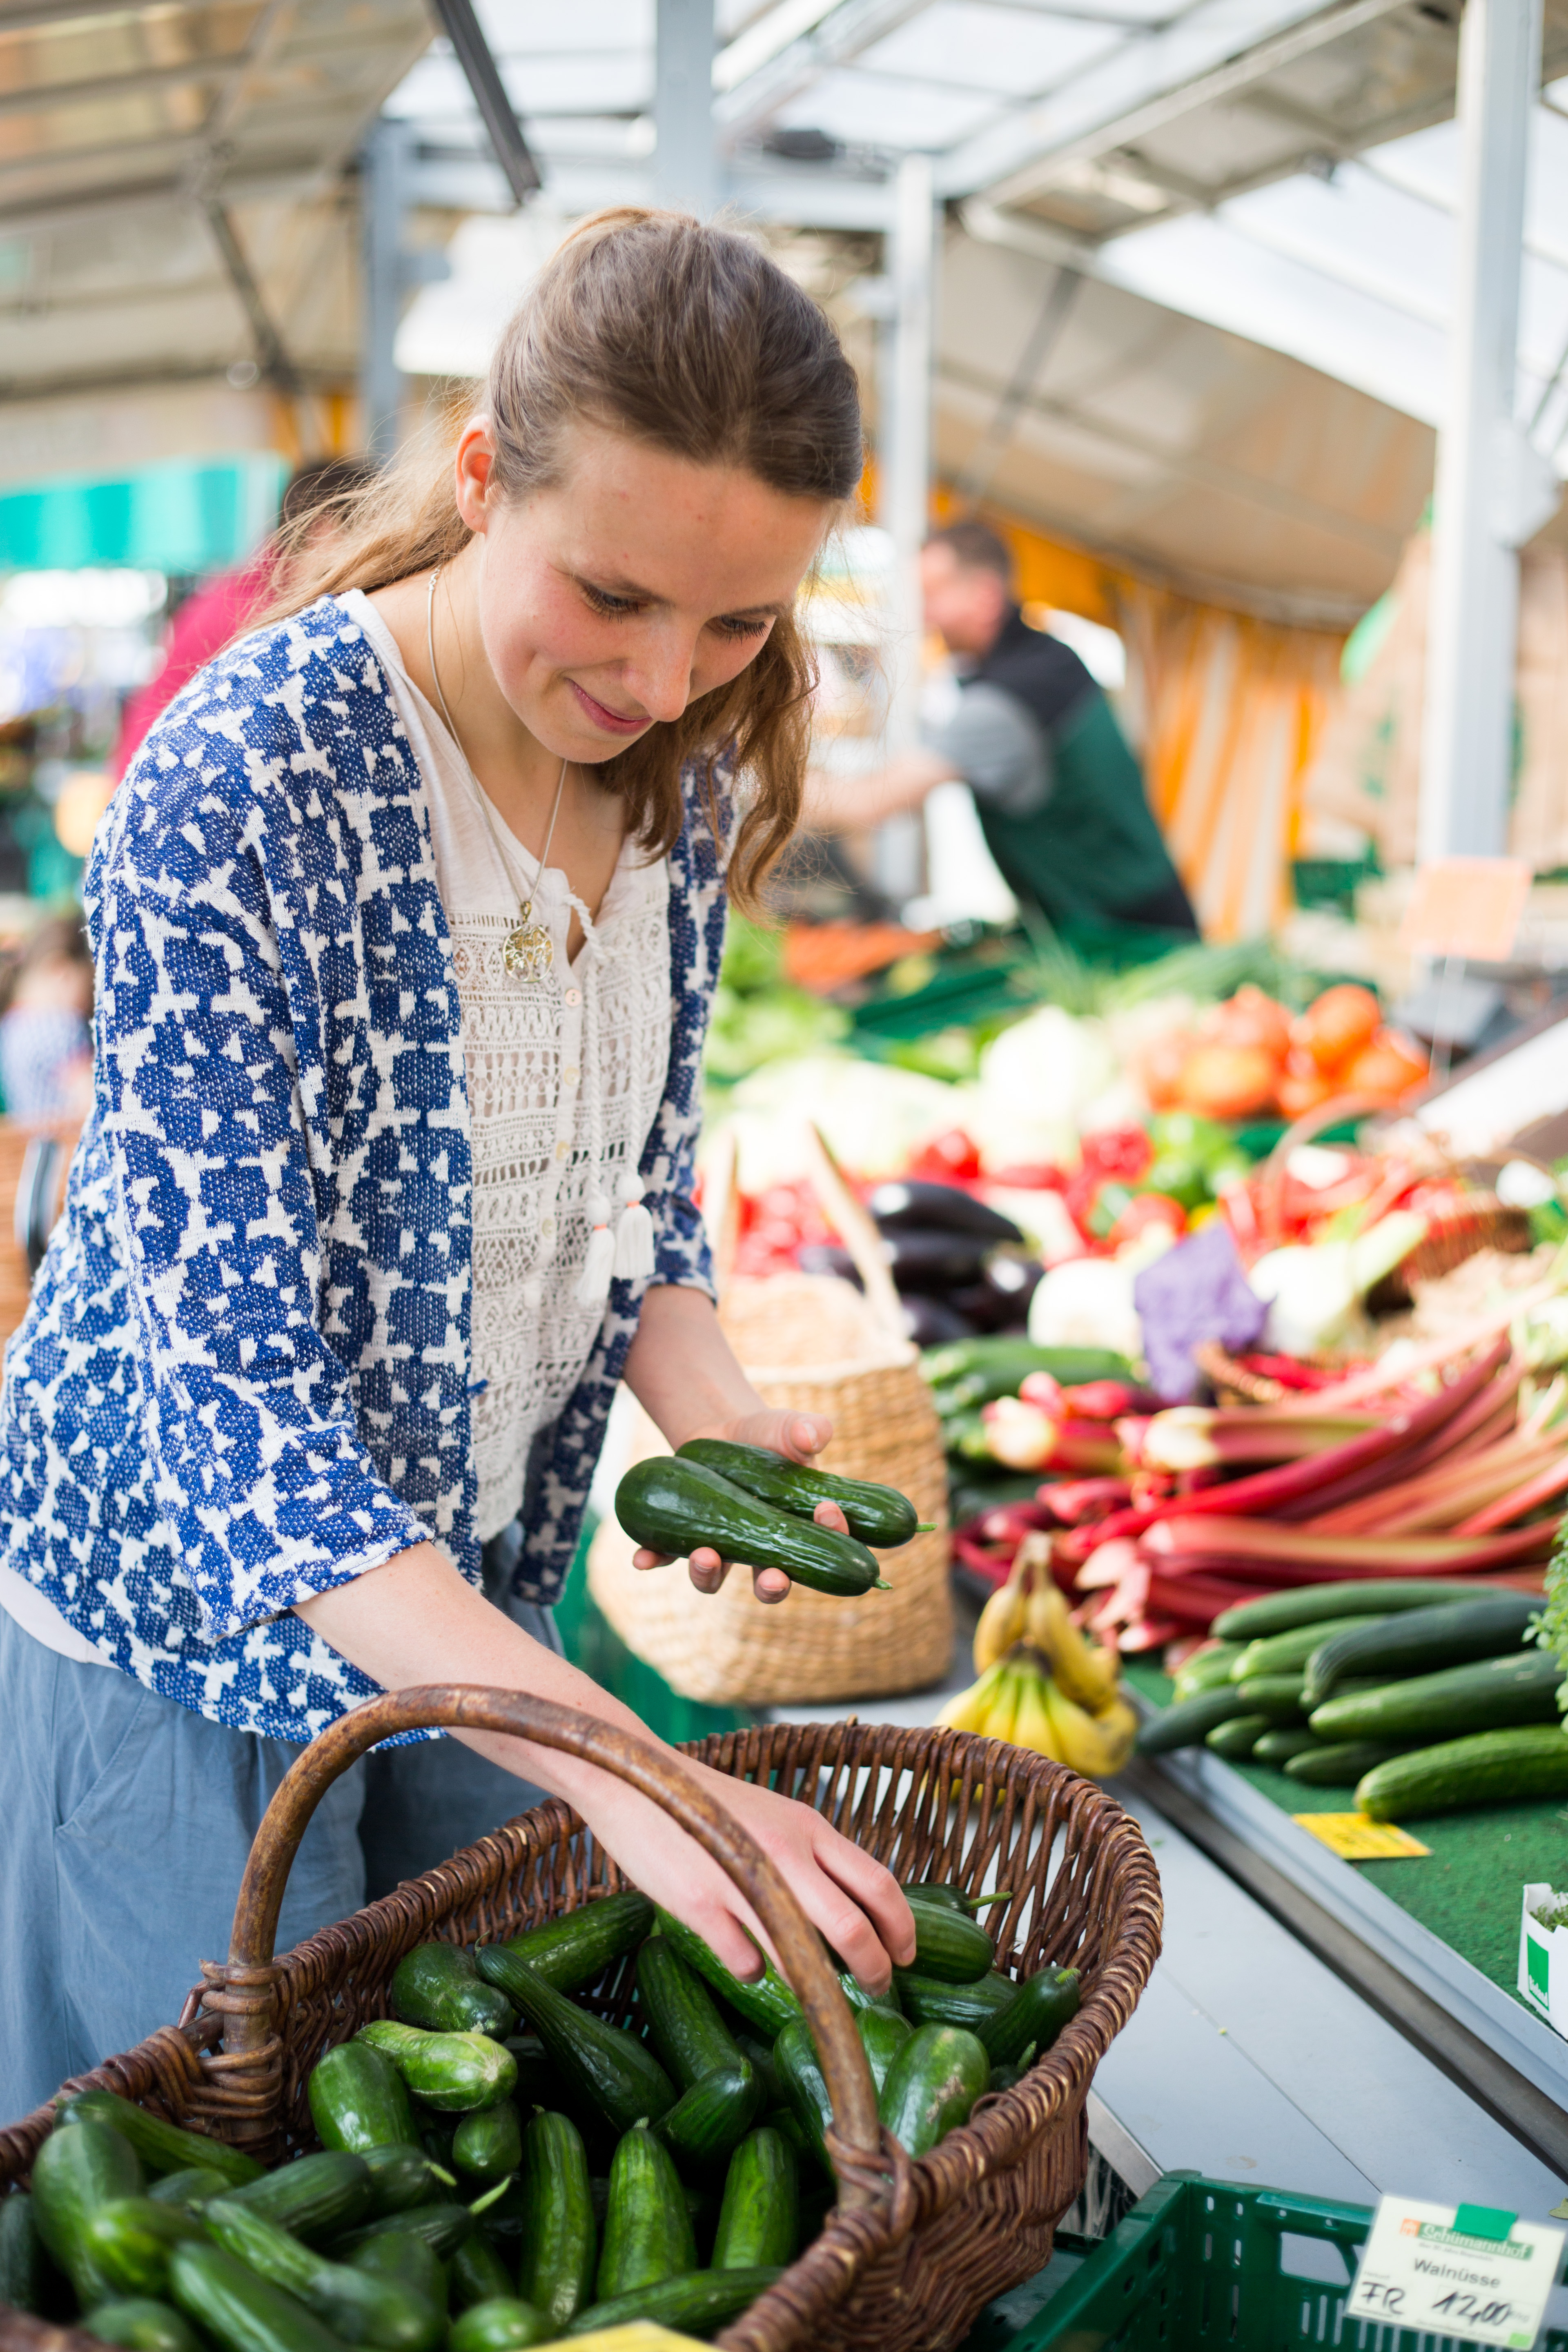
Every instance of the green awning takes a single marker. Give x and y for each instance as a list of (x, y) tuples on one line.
[(182, 516)]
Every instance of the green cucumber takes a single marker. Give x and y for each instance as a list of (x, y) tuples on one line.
[(619, 2076), (401, 2177), (1046, 2003), (1338, 1764), (141, 2324), (127, 2242), (952, 1898), (317, 2197), (949, 1945), (883, 2034), (698, 2305), (708, 2122), (1237, 1740), (1287, 1653), (1190, 1723), (192, 2189), (759, 2221), (479, 2273), (647, 2230), (74, 2172), (928, 2002), (538, 2082), (676, 1508), (452, 2072), (571, 1952), (358, 2100), (1279, 1696), (804, 2087), (1206, 1669), (442, 2228), (1491, 1767), (1490, 1696), (965, 1372), (877, 1515), (1007, 2078), (21, 2254), (437, 1986), (398, 2254), (1277, 1747), (766, 2002), (504, 2325), (759, 2055), (560, 2236), (237, 2310), (487, 2145), (161, 2146), (1318, 1604), (358, 2306), (684, 2026), (931, 2086), (1423, 1641)]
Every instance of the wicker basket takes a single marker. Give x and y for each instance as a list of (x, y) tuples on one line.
[(810, 1344), (913, 2250)]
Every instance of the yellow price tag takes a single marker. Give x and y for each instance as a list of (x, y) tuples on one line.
[(1356, 1837), (637, 2336)]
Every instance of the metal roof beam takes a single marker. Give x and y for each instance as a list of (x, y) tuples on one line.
[(139, 79), (841, 35), (471, 49)]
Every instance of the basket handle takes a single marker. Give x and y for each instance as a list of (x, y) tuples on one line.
[(655, 1775), (858, 1230)]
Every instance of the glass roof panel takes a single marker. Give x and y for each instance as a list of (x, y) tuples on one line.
[(583, 86), (516, 27), (969, 44), (885, 111)]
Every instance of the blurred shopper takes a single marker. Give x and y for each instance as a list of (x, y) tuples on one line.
[(45, 1044), (1058, 790), (222, 607)]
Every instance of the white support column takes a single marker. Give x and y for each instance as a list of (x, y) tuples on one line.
[(383, 183), (686, 154), (903, 486), (1482, 503)]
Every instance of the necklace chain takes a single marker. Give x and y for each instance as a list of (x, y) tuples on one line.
[(529, 951)]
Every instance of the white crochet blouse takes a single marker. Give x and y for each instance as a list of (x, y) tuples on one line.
[(533, 1064)]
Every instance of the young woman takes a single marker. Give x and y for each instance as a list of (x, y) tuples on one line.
[(406, 921)]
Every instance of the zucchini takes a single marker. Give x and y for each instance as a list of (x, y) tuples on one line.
[(194, 2188), (928, 2002), (804, 2088), (442, 2228), (677, 1506), (698, 2305), (684, 2026), (317, 2197), (759, 2221), (358, 2100), (1206, 1669), (399, 2254), (619, 2076), (708, 2122), (1191, 1721), (400, 2176), (357, 2306), (571, 1952), (74, 2172), (238, 2310), (766, 2002), (141, 2324), (879, 1516), (1423, 1641), (455, 2073), (949, 1945), (503, 2325), (438, 1986), (1287, 1653), (126, 2243), (1490, 1697), (1047, 2001), (1338, 1765), (1237, 1740), (560, 2236), (1316, 1604), (1490, 1768), (487, 2145), (647, 2230), (161, 2146), (478, 2273), (1277, 1747), (21, 2254), (1279, 1696), (931, 2086), (883, 2033)]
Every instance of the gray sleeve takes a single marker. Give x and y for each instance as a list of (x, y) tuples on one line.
[(998, 748)]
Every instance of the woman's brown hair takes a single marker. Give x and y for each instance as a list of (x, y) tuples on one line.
[(687, 337)]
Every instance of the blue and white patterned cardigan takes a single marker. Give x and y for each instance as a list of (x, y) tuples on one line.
[(245, 1374)]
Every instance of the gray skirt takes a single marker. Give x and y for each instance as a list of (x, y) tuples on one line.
[(125, 1822)]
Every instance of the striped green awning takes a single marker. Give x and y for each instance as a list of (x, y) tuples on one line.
[(182, 516)]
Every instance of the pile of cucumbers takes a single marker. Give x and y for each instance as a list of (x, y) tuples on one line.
[(1423, 1696), (749, 1503), (500, 2167)]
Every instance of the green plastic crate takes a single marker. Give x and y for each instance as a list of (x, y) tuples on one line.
[(1200, 2262)]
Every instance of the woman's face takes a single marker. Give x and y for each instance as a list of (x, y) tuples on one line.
[(636, 584)]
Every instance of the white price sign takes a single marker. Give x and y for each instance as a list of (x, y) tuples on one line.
[(1461, 2270)]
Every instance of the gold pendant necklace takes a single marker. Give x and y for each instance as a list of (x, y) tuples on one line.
[(528, 952)]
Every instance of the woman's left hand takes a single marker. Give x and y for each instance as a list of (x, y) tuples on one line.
[(797, 1436)]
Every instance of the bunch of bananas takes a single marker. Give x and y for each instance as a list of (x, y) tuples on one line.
[(1042, 1686)]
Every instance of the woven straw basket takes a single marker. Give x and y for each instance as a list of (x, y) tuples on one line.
[(913, 2250), (810, 1344)]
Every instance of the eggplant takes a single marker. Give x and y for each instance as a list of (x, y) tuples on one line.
[(925, 1258), (907, 1205), (933, 1322)]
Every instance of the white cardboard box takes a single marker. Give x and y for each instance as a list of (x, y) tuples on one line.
[(1543, 1962)]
